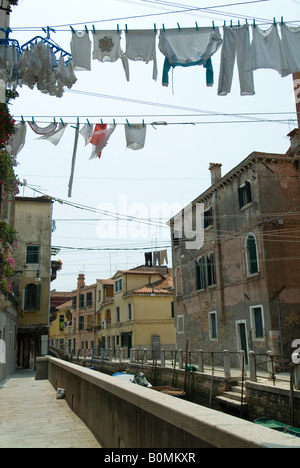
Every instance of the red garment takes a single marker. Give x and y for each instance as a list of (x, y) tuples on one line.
[(100, 138)]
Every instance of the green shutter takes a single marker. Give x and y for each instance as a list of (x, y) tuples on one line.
[(38, 297)]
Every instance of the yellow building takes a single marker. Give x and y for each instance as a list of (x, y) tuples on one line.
[(138, 312), (61, 327)]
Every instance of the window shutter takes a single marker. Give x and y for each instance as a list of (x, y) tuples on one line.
[(252, 255), (38, 297), (241, 198), (248, 192)]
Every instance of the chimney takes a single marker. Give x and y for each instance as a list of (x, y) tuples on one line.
[(80, 281), (295, 142), (216, 172)]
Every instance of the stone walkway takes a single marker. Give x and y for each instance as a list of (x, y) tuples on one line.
[(32, 417)]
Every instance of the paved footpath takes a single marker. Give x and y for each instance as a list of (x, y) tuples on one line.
[(32, 417)]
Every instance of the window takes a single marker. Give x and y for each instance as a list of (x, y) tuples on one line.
[(81, 301), (252, 255), (32, 254), (213, 327), (119, 285), (81, 323), (32, 297), (89, 299), (200, 274), (118, 314), (74, 302), (208, 218), (257, 321), (129, 312), (175, 238), (180, 324), (245, 195), (172, 310), (178, 281), (211, 269), (108, 317)]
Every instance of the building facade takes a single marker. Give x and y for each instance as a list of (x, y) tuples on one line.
[(240, 290), (134, 310), (83, 316), (33, 272)]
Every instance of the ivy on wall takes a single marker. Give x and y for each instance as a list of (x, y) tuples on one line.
[(9, 184)]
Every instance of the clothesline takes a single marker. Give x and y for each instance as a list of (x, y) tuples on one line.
[(181, 48)]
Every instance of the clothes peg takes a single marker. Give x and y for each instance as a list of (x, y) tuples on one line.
[(73, 30), (179, 26), (128, 123), (282, 20), (94, 29), (102, 122), (143, 123), (126, 28), (114, 121), (155, 29), (62, 122), (32, 121), (231, 24), (118, 29), (22, 118), (274, 20), (213, 23), (254, 23), (88, 122), (197, 27), (86, 28), (54, 120), (164, 29)]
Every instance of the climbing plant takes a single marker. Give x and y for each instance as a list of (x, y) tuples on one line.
[(9, 184)]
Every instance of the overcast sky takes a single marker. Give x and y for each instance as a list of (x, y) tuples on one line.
[(172, 169)]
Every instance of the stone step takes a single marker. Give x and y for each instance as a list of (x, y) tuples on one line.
[(230, 402)]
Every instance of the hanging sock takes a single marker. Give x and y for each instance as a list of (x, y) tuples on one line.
[(107, 48), (100, 138), (17, 140), (135, 136), (73, 162), (141, 46)]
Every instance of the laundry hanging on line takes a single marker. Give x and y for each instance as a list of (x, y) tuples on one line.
[(37, 65)]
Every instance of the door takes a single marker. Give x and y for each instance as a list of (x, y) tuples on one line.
[(242, 339), (156, 347)]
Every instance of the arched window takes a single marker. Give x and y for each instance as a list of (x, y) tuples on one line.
[(200, 274), (32, 297), (211, 269), (178, 281), (252, 255)]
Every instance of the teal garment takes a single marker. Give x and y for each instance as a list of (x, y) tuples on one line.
[(206, 64)]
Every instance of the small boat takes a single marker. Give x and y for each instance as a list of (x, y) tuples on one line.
[(138, 379), (278, 426), (175, 392)]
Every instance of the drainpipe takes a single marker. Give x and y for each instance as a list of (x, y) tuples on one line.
[(280, 327)]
